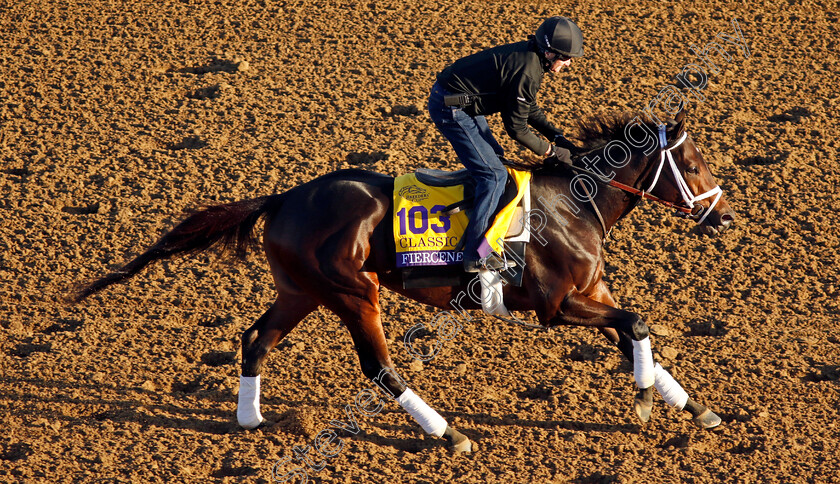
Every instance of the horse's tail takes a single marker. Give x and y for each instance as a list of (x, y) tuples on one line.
[(231, 224)]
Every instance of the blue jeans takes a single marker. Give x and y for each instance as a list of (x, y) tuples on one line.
[(479, 151)]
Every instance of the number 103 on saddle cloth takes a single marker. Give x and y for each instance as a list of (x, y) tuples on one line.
[(424, 236)]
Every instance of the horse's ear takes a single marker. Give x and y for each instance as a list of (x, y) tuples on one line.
[(680, 119), (675, 127)]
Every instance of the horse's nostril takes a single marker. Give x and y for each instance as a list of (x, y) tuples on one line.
[(726, 219)]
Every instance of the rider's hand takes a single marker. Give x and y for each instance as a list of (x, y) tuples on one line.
[(562, 142), (561, 155)]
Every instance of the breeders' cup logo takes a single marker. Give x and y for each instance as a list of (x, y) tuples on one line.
[(413, 193)]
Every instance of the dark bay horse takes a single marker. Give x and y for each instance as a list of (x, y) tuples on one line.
[(327, 243)]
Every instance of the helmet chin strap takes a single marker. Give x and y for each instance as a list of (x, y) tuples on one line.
[(546, 64), (685, 191)]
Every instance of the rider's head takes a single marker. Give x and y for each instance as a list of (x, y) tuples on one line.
[(557, 40)]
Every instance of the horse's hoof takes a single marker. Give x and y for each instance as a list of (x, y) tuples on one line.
[(463, 447), (263, 424), (643, 404), (458, 442), (707, 420), (642, 410)]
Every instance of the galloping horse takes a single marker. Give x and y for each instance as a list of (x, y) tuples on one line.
[(327, 243)]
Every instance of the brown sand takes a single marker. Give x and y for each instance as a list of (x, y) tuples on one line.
[(117, 118)]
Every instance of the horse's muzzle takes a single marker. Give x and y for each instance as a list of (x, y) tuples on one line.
[(719, 221)]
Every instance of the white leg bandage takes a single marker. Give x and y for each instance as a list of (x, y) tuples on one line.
[(643, 363), (248, 407), (671, 391), (430, 420)]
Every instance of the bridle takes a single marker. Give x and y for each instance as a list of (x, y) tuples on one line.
[(689, 198), (689, 208)]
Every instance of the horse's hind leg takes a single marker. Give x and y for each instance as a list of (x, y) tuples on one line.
[(361, 315), (281, 318)]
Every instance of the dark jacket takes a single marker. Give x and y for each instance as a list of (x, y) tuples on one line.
[(507, 78)]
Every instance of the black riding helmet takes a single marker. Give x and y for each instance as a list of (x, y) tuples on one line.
[(561, 36)]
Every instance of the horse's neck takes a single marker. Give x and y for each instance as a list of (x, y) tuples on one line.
[(557, 196), (633, 174), (615, 203), (612, 203)]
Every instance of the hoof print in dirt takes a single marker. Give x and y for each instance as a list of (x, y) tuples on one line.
[(824, 373), (540, 391), (706, 328), (234, 472), (792, 115), (584, 352), (677, 442), (215, 65), (63, 325), (84, 209), (209, 92), (191, 386), (762, 160), (15, 452), (215, 321), (218, 358), (188, 143), (357, 158), (401, 111), (25, 350), (294, 421)]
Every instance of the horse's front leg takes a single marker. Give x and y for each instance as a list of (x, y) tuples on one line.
[(671, 391), (580, 310)]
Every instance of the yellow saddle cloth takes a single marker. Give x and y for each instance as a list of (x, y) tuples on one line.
[(424, 236)]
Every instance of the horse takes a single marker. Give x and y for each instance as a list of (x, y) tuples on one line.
[(327, 244)]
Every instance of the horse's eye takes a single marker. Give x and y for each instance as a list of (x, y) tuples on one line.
[(693, 170)]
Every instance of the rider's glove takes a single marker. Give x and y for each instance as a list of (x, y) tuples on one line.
[(561, 155), (562, 142)]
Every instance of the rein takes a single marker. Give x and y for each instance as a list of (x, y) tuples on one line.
[(649, 196), (637, 192)]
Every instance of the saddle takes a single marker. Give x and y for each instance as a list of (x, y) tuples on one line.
[(430, 215), (443, 178)]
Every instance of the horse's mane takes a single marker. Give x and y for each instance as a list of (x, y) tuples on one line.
[(599, 129), (592, 132)]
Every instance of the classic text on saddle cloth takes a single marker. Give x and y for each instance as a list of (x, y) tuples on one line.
[(424, 236)]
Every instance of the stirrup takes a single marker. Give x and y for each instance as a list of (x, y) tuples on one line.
[(492, 263)]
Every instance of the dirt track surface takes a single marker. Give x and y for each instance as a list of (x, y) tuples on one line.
[(117, 118)]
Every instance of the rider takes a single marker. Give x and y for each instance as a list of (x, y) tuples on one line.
[(503, 79)]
